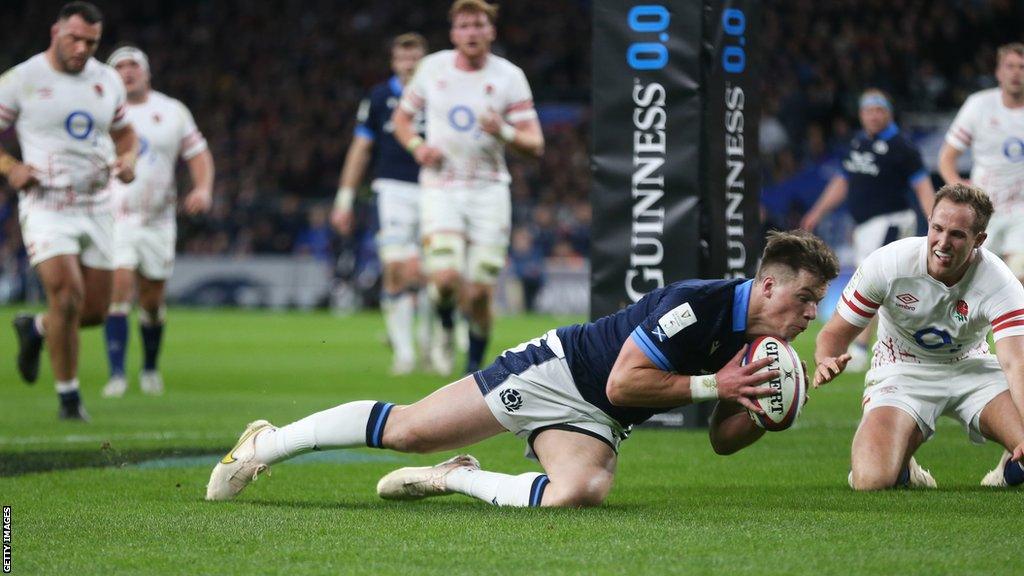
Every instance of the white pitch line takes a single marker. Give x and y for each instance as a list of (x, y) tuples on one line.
[(100, 438)]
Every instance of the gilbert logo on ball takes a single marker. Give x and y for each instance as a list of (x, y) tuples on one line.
[(782, 407)]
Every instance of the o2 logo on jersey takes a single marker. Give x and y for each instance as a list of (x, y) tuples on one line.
[(1013, 149), (461, 118), (933, 338), (79, 124)]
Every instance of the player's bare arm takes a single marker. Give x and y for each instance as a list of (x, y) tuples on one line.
[(201, 170), (525, 136), (831, 198), (425, 154), (18, 174), (948, 157), (1010, 352), (830, 355), (636, 381), (356, 160), (731, 429), (126, 143), (925, 193)]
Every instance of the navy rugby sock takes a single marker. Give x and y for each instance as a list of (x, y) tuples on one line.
[(152, 334), (904, 478), (1013, 473), (116, 331)]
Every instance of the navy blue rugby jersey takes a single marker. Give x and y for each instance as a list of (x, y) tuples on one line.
[(373, 122), (881, 171), (689, 327)]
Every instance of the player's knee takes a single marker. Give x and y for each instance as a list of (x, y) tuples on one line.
[(486, 262), (447, 281), (863, 480), (67, 301), (583, 492)]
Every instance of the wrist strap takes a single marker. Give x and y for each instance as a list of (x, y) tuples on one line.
[(507, 133), (344, 198), (413, 143), (703, 388)]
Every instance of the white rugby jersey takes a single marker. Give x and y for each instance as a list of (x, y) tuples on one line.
[(923, 321), (63, 123), (453, 101), (995, 135), (166, 131)]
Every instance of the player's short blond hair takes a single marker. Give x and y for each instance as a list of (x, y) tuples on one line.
[(798, 250), (972, 196), (474, 7), (408, 41), (1011, 48)]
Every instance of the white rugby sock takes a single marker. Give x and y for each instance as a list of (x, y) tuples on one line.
[(343, 426), (499, 489), (399, 314)]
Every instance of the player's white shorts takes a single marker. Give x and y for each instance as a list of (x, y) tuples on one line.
[(88, 235), (398, 209), (147, 249), (1006, 234), (926, 392), (467, 230), (530, 389), (872, 234)]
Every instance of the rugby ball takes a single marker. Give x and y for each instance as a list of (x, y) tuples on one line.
[(781, 408)]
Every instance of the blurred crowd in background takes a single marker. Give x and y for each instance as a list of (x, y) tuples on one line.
[(274, 86)]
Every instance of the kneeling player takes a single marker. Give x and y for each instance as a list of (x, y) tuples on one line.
[(937, 298), (575, 392)]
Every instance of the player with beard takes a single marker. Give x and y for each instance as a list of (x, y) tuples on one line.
[(69, 113)]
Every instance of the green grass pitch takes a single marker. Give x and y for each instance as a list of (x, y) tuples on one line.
[(124, 494)]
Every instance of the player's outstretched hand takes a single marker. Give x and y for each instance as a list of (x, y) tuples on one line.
[(427, 155), (22, 176), (341, 220), (829, 368), (198, 202), (742, 384)]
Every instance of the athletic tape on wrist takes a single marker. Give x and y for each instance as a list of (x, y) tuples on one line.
[(703, 388), (344, 198), (507, 133)]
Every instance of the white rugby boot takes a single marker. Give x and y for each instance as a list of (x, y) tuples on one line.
[(115, 387), (403, 365), (415, 482), (239, 466), (919, 477), (151, 382), (995, 478)]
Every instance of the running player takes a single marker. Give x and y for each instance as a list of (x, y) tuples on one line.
[(395, 180), (476, 103), (69, 113), (145, 229)]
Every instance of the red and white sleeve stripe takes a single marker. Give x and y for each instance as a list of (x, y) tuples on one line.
[(861, 306), (1002, 326)]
